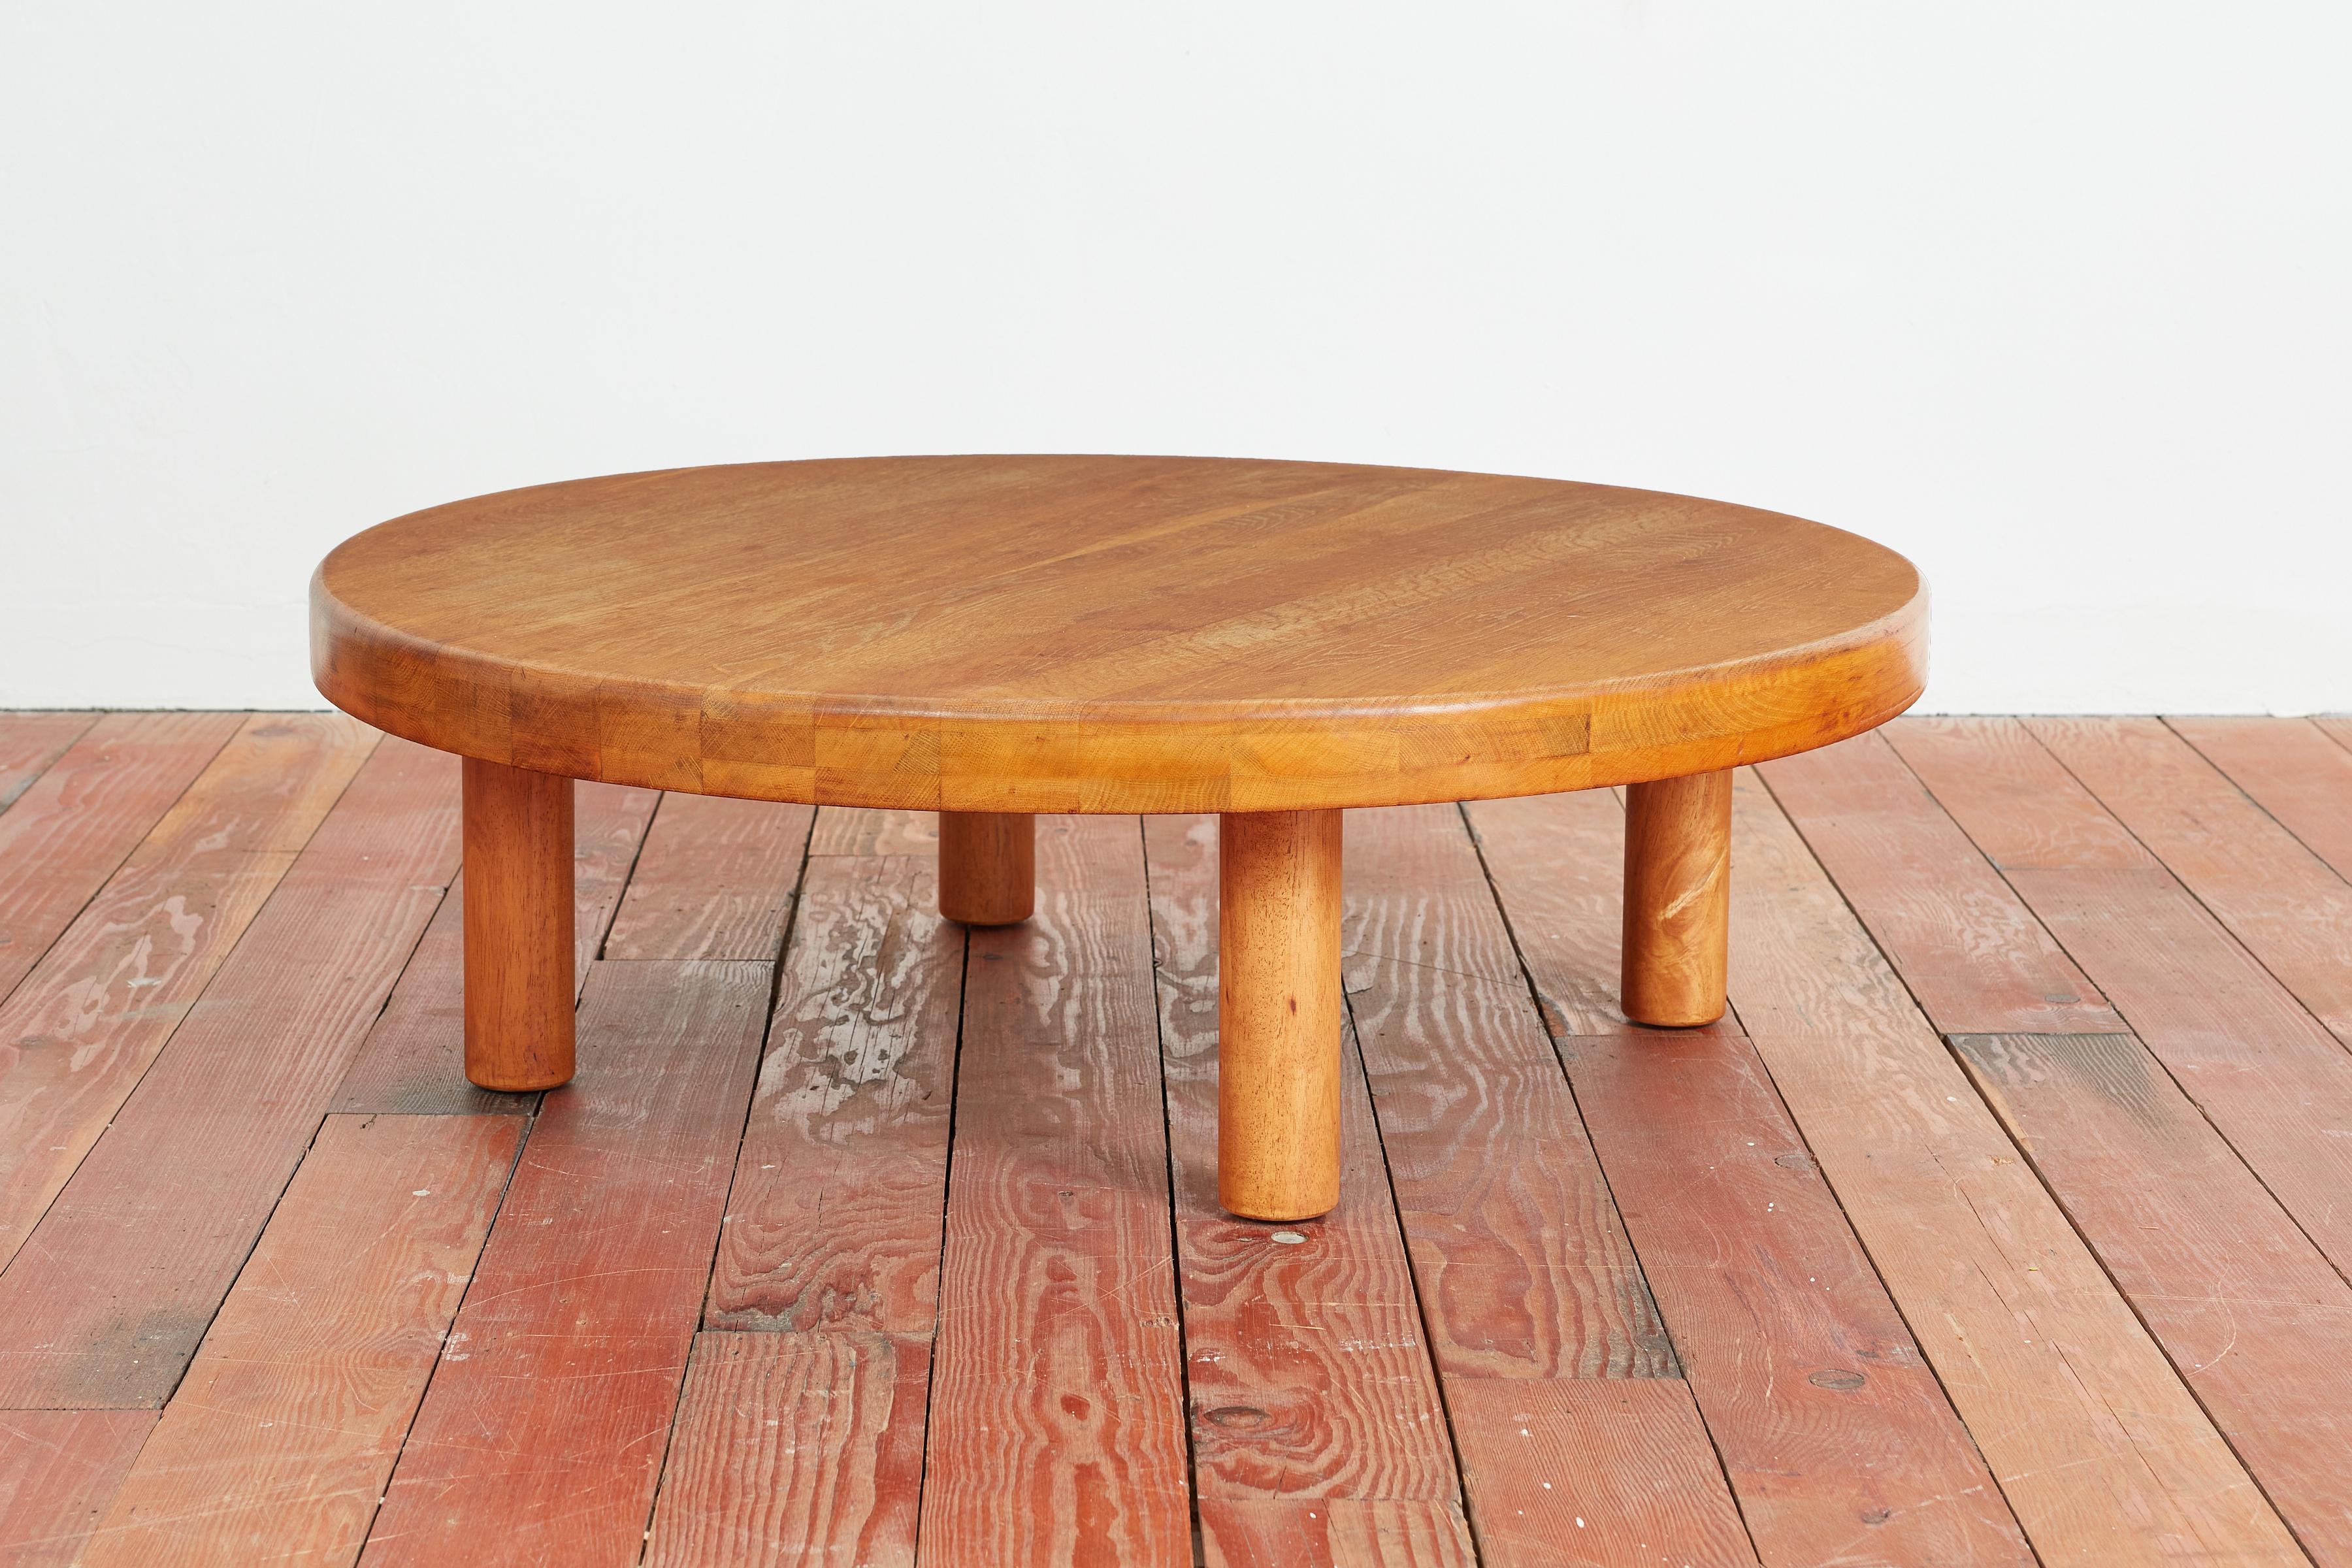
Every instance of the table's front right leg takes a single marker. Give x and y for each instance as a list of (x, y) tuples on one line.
[(1678, 899), (518, 963), (1278, 1014)]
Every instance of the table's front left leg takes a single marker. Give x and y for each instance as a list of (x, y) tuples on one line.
[(1678, 899), (1278, 1014), (518, 973)]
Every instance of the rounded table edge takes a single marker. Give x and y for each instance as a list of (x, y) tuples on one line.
[(754, 746)]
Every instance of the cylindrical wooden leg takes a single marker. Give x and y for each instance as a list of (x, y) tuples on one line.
[(988, 867), (1278, 1014), (1678, 899), (519, 984)]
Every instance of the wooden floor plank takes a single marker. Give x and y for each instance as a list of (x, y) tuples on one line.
[(2102, 1453), (2011, 797), (836, 1215), (541, 1436), (414, 1060), (850, 830), (1285, 1532), (59, 1470), (106, 1300), (2293, 769), (1314, 1427), (1538, 1311), (716, 882), (29, 743), (72, 826), (2250, 1313), (2275, 1082), (278, 1447), (1838, 1441), (1974, 958), (2290, 909), (1522, 1263), (795, 1448), (1057, 1430), (1571, 1472), (1309, 1375), (77, 1035)]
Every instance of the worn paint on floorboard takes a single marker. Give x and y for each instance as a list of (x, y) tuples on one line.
[(551, 1406), (1838, 1440), (1307, 1372), (795, 1448), (1057, 1430), (105, 1303), (1845, 1294), (2101, 1452), (2249, 1312), (58, 1468), (834, 1220), (78, 1034), (69, 828), (278, 1448)]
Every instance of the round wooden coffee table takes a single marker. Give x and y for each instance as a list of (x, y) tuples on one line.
[(994, 637)]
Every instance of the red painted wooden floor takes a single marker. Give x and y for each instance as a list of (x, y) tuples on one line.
[(2009, 1217)]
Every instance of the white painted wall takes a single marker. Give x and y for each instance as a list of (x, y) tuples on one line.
[(2053, 297)]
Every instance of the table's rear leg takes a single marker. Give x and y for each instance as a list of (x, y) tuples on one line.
[(519, 974), (1278, 1024), (1678, 899), (988, 867)]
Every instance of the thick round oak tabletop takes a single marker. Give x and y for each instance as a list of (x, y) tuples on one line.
[(1087, 634), (995, 638)]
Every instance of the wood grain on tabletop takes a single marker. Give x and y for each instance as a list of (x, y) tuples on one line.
[(1307, 1371), (76, 1035), (1112, 633), (1057, 1421), (277, 1446), (105, 1303), (2102, 1453)]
